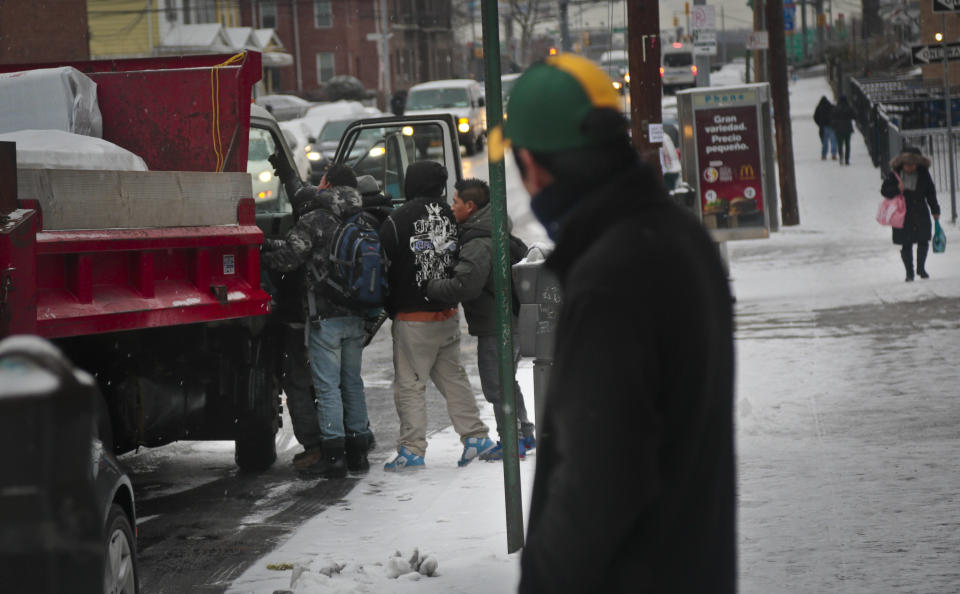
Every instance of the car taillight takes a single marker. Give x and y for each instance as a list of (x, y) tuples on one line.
[(661, 71), (693, 69)]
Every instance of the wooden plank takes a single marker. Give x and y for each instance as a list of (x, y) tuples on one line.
[(74, 199)]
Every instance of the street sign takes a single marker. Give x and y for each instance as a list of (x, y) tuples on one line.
[(703, 17), (946, 5), (758, 40), (933, 54), (789, 17), (705, 43)]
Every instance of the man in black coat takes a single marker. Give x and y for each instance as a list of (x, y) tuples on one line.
[(420, 242), (841, 119), (635, 479)]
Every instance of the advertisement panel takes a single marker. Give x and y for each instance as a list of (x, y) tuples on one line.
[(730, 169)]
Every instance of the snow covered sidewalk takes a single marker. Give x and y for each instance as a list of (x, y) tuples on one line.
[(847, 424)]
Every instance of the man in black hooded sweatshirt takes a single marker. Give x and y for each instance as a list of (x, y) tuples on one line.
[(634, 486), (420, 241)]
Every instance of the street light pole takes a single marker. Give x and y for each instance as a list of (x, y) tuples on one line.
[(948, 101)]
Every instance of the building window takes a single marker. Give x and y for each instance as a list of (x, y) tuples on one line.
[(324, 66), (171, 11), (268, 15), (322, 14)]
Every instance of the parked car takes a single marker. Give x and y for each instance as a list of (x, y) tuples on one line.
[(678, 69), (463, 98), (284, 107), (67, 513)]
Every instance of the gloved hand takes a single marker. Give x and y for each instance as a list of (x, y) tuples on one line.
[(270, 245), (281, 167)]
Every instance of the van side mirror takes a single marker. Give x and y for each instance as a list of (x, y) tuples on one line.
[(480, 102)]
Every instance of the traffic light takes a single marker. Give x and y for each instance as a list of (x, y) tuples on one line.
[(686, 8)]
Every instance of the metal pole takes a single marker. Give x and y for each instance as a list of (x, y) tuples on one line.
[(780, 95), (564, 26), (948, 100), (501, 283), (296, 46), (803, 28)]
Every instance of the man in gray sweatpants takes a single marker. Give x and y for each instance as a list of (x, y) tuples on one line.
[(420, 242)]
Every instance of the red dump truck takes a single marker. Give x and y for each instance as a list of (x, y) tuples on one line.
[(151, 280)]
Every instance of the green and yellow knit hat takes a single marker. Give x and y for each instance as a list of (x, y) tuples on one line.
[(549, 103)]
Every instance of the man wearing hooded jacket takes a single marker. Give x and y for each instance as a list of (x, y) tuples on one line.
[(336, 332), (634, 487), (420, 241)]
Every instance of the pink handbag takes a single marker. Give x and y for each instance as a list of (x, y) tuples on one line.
[(892, 210)]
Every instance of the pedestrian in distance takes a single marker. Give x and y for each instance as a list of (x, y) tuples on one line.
[(920, 196), (420, 242), (823, 117), (472, 285), (335, 327), (842, 121), (635, 483)]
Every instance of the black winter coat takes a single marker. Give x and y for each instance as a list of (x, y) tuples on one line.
[(420, 241), (841, 118), (823, 115), (635, 481), (921, 203)]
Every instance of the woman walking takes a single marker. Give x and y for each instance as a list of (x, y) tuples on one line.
[(917, 186)]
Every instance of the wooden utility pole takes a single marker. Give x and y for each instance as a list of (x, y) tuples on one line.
[(643, 26), (759, 62), (781, 113)]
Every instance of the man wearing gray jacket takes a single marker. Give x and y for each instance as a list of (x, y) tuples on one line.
[(472, 285)]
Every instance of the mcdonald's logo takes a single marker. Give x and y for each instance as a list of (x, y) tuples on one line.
[(747, 172)]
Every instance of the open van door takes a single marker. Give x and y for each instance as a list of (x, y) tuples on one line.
[(384, 147)]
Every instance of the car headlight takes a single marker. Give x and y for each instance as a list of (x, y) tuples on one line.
[(463, 125), (313, 155), (264, 194), (407, 130), (626, 78), (265, 176), (617, 85), (377, 151)]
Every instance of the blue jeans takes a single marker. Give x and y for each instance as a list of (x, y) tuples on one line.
[(828, 136), (336, 350)]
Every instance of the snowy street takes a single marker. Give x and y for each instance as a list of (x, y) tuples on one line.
[(846, 422)]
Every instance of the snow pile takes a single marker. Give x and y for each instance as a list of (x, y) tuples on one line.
[(50, 99), (457, 512), (56, 149)]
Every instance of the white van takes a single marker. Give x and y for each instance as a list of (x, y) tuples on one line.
[(678, 69), (463, 98)]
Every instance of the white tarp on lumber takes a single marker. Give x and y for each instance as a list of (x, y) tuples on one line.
[(50, 99), (55, 149)]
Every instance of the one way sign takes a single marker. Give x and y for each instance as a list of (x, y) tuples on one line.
[(946, 5), (932, 54)]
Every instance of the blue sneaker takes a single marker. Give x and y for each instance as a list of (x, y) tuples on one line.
[(473, 447), (529, 442), (405, 460), (496, 454)]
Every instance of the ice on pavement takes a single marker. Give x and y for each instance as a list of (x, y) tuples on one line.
[(847, 421)]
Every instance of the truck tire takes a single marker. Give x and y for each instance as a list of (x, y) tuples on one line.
[(471, 145), (255, 443), (256, 451), (120, 554)]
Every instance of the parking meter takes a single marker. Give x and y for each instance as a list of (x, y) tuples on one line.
[(540, 301)]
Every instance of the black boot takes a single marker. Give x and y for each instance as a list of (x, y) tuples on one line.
[(332, 463), (906, 254), (357, 448), (922, 248)]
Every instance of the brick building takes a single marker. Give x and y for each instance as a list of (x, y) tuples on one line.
[(334, 37), (43, 31)]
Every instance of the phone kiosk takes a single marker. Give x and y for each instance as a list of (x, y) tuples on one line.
[(727, 157)]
